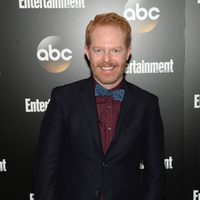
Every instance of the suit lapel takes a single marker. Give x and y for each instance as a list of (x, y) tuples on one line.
[(89, 106), (126, 107)]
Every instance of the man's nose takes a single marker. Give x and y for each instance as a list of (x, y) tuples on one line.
[(106, 56)]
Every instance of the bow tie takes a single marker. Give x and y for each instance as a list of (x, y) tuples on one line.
[(117, 95)]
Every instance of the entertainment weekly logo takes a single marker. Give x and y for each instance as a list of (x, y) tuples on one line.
[(156, 67), (168, 162), (3, 165), (49, 4), (197, 101), (196, 195), (31, 196), (35, 105)]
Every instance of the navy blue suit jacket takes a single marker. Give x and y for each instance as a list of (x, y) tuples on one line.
[(70, 163)]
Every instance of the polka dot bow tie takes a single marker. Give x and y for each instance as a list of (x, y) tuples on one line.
[(117, 95)]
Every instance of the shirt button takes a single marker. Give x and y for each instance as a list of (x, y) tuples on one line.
[(105, 164), (97, 193), (109, 128), (109, 106)]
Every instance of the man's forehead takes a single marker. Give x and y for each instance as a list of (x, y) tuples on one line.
[(107, 34), (106, 27)]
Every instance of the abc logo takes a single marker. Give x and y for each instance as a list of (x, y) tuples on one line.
[(143, 18), (53, 55), (141, 13)]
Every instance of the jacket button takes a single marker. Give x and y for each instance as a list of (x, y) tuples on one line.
[(97, 193), (105, 164)]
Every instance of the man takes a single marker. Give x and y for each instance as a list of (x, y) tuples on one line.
[(96, 131)]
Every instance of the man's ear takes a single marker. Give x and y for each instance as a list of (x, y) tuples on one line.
[(86, 52), (129, 53)]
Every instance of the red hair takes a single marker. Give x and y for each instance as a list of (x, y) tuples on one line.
[(109, 19)]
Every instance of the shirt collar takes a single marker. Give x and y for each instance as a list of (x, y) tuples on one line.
[(117, 87)]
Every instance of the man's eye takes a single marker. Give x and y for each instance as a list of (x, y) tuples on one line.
[(116, 50), (97, 50)]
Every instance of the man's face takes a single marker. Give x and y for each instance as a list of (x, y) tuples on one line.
[(108, 55)]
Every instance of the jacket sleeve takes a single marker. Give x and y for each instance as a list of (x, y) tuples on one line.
[(49, 150), (153, 157)]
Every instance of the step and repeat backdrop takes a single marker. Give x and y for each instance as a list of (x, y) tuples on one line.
[(42, 45)]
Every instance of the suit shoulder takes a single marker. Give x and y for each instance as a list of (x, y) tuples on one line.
[(70, 87), (140, 93)]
